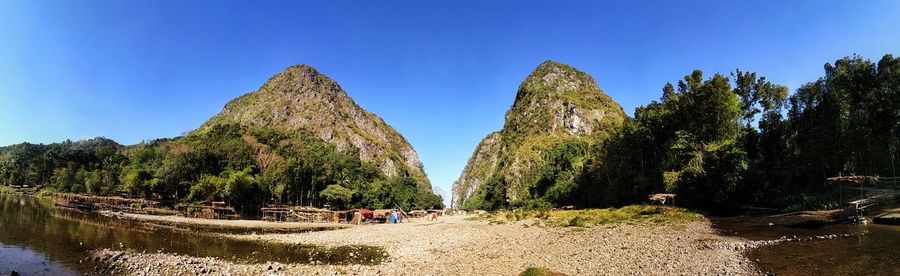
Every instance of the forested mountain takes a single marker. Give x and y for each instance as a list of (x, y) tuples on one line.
[(718, 142), (558, 116), (299, 139), (301, 98)]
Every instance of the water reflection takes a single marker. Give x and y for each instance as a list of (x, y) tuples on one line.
[(35, 235), (871, 250), (28, 262)]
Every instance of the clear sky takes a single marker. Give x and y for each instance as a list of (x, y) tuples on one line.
[(443, 73)]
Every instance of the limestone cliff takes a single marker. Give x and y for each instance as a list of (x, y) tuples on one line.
[(558, 115)]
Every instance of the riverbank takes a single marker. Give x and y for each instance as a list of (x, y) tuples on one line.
[(457, 246), (36, 236), (227, 226), (890, 216)]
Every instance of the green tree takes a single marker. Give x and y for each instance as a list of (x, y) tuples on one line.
[(243, 192), (208, 189), (136, 180), (337, 195), (63, 179)]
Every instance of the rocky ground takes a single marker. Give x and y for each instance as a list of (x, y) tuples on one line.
[(456, 246)]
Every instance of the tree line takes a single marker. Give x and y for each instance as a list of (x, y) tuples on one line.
[(740, 140), (243, 166)]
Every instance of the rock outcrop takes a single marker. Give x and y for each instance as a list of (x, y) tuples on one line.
[(559, 113)]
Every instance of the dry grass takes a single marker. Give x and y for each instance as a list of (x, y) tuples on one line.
[(6, 189), (639, 214)]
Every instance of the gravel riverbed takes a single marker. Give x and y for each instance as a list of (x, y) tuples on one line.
[(456, 246)]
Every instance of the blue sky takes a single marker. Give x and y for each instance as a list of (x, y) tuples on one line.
[(443, 73)]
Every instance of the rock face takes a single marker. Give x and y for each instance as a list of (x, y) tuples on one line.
[(301, 98), (481, 166), (559, 113)]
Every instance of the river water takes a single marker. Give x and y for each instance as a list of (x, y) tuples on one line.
[(871, 250), (37, 238)]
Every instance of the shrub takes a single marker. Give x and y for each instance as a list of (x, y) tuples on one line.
[(577, 221)]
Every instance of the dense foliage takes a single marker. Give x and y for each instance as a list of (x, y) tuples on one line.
[(549, 179), (728, 142), (245, 167)]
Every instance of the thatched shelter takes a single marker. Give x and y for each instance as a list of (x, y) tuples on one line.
[(662, 198)]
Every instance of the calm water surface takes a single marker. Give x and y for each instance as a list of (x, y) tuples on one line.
[(873, 250), (38, 239)]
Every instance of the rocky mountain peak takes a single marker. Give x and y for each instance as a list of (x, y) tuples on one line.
[(302, 98), (557, 97), (556, 105)]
